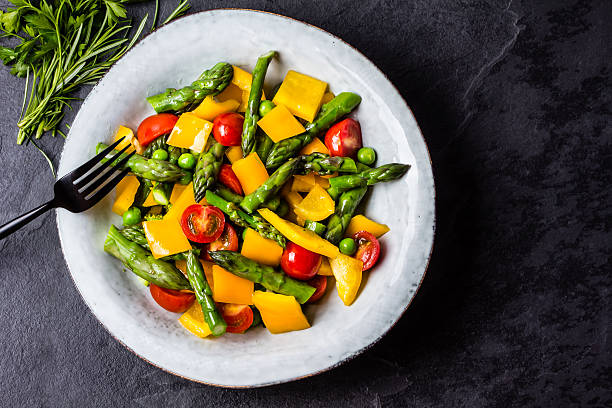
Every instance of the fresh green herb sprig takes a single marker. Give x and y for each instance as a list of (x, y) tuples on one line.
[(62, 45)]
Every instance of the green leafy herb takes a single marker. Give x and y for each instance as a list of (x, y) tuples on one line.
[(62, 45)]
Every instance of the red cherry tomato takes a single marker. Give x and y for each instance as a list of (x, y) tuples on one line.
[(238, 317), (154, 126), (228, 241), (172, 300), (202, 223), (227, 128), (368, 249), (344, 138), (319, 282), (300, 263), (228, 178)]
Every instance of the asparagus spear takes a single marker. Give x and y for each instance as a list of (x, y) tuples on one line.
[(251, 116), (242, 219), (345, 208), (162, 192), (368, 177), (265, 275), (142, 263), (272, 185), (263, 145), (211, 82), (144, 188), (338, 107), (156, 144), (203, 293), (207, 169), (323, 164), (150, 169), (232, 197)]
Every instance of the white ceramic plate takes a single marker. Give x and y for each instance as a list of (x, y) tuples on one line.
[(173, 56)]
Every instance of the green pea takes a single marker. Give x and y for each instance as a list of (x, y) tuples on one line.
[(160, 154), (366, 155), (187, 161), (265, 107), (347, 246), (132, 216)]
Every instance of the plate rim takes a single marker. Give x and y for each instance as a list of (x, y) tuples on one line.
[(354, 353)]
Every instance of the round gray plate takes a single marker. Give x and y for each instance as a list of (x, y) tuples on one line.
[(173, 56)]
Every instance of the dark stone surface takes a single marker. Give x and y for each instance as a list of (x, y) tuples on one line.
[(514, 99)]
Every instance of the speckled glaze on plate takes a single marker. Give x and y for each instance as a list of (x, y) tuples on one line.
[(173, 56)]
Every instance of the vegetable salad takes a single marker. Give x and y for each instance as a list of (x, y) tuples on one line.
[(240, 205)]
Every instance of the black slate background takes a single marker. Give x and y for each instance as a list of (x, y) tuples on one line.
[(514, 99)]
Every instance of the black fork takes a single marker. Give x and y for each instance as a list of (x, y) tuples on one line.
[(80, 189)]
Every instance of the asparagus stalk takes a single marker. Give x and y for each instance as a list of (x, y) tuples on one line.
[(150, 169), (339, 221), (156, 144), (272, 185), (323, 164), (251, 116), (242, 219), (203, 293), (265, 275), (338, 107), (142, 263), (232, 197), (144, 188), (263, 145), (207, 169), (368, 177), (211, 82)]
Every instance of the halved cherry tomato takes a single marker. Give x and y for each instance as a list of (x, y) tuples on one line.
[(202, 223), (344, 138), (228, 178), (238, 317), (227, 128), (319, 282), (368, 249), (172, 300), (228, 241), (299, 262), (154, 126)]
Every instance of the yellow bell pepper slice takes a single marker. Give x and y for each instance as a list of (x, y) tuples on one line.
[(299, 235), (165, 237), (177, 190), (233, 153), (347, 272), (193, 320), (150, 201), (280, 313), (362, 223), (129, 138), (125, 192), (316, 206), (315, 146), (251, 172), (303, 184), (280, 124), (325, 268), (231, 93), (328, 97), (229, 288), (209, 109), (184, 200), (190, 132), (301, 94), (239, 89), (260, 249), (322, 181)]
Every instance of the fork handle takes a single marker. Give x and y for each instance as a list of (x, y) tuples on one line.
[(12, 226)]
